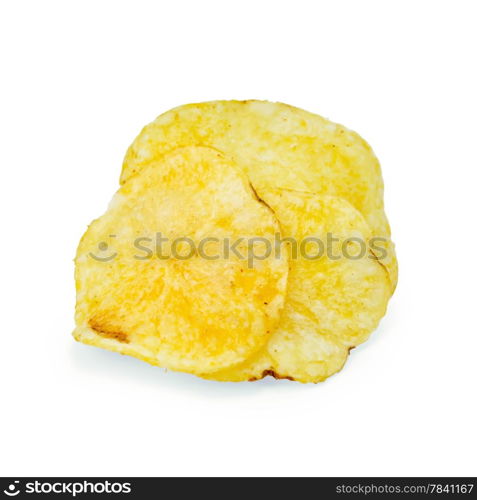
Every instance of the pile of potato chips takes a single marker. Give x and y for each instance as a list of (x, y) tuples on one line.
[(247, 239)]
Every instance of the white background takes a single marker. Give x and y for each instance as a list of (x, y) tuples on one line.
[(80, 79)]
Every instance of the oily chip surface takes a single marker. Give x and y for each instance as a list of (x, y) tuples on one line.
[(180, 310), (278, 146), (334, 301)]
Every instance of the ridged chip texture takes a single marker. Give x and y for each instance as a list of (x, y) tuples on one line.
[(337, 292), (180, 310), (278, 146)]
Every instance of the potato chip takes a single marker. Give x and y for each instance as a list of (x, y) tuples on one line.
[(176, 305), (337, 290), (278, 146)]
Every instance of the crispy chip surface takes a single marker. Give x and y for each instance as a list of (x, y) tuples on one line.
[(191, 314), (333, 303), (278, 146)]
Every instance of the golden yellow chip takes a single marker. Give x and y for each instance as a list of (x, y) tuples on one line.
[(180, 304), (278, 146), (337, 290)]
